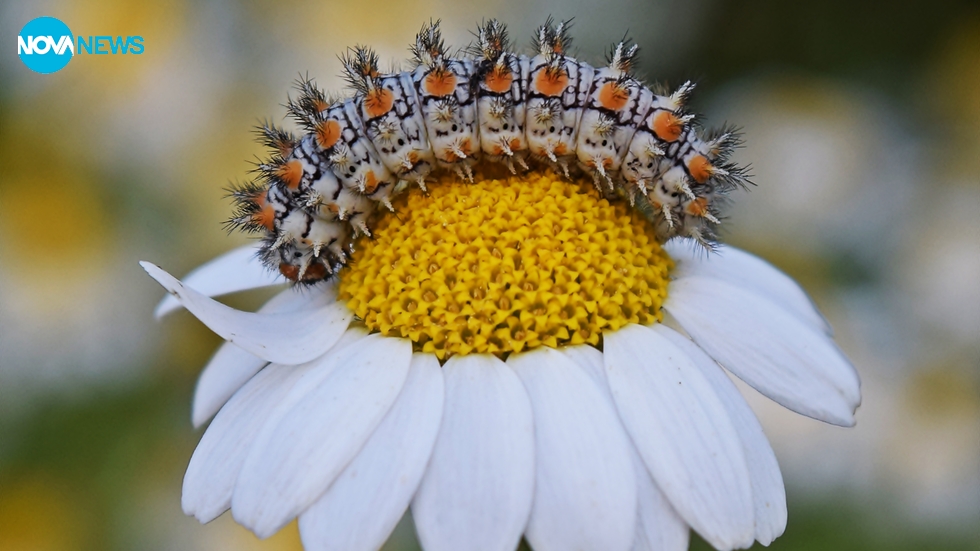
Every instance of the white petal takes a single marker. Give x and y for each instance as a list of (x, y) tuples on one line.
[(748, 272), (287, 338), (585, 485), (214, 466), (367, 500), (218, 459), (768, 348), (768, 493), (659, 527), (476, 493), (231, 366), (236, 270), (229, 369), (589, 359), (683, 434), (295, 459)]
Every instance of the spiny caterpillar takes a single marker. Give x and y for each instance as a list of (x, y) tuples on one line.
[(321, 190)]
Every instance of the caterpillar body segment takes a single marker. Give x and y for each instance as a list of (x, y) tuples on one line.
[(501, 91), (443, 86), (316, 188), (296, 172), (330, 200), (557, 91), (617, 105), (307, 220), (449, 107), (296, 209), (391, 116), (319, 191), (646, 164), (350, 153), (502, 115)]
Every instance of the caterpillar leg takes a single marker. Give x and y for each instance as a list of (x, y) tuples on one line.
[(564, 168), (359, 223), (550, 152), (665, 209), (464, 171), (600, 167), (457, 150)]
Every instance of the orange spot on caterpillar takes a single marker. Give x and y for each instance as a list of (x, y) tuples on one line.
[(291, 173), (370, 182), (561, 149), (698, 207), (327, 133), (377, 102), (551, 82), (497, 150), (413, 157), (700, 168), (613, 96), (320, 105), (499, 79), (515, 144), (265, 216), (440, 83), (666, 125)]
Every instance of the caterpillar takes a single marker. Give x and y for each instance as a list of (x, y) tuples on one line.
[(319, 191)]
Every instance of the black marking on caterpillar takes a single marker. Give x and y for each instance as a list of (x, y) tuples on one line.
[(318, 191)]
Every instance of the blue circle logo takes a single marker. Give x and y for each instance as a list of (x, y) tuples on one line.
[(45, 45)]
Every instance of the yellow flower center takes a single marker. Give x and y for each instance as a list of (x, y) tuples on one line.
[(504, 265)]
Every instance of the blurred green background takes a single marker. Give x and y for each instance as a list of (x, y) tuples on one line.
[(862, 122)]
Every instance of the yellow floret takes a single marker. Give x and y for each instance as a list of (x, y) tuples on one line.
[(504, 265)]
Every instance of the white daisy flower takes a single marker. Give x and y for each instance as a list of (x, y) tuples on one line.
[(509, 358)]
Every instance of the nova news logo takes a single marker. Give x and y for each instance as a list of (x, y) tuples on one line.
[(46, 45)]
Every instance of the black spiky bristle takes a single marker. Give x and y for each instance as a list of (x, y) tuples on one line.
[(429, 48), (279, 140), (360, 68), (311, 101), (623, 56)]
